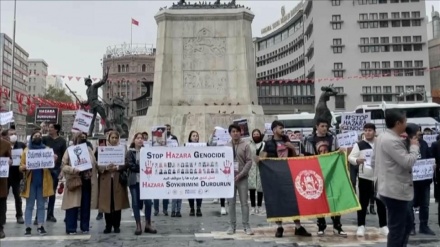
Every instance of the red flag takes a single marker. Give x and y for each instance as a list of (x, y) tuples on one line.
[(134, 22)]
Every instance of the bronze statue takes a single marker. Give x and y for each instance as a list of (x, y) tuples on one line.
[(322, 111), (93, 101), (118, 106)]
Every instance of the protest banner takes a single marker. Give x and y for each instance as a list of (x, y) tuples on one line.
[(46, 114), (6, 117), (430, 139), (40, 159), (186, 172), (123, 142), (111, 155), (354, 121), (243, 123), (4, 167), (195, 144), (79, 157), (423, 169), (348, 139), (221, 136), (159, 136), (16, 156), (368, 156), (267, 129), (82, 122)]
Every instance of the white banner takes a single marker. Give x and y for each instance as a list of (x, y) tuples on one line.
[(354, 121), (4, 167), (111, 155), (186, 172), (82, 122), (347, 140), (221, 136), (423, 169), (16, 156), (195, 144), (430, 139), (6, 117), (79, 157), (40, 159)]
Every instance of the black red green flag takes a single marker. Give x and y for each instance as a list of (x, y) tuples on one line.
[(307, 187)]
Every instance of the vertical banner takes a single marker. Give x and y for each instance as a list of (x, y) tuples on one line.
[(186, 172), (159, 136), (46, 114), (6, 117), (16, 156), (354, 121), (82, 122)]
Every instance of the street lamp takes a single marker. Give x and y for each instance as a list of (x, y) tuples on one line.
[(420, 92)]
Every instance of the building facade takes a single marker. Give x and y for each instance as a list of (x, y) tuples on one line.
[(370, 50), (20, 81), (131, 77), (434, 54), (54, 81), (37, 77)]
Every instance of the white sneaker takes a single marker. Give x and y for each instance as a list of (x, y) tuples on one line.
[(223, 211), (132, 214), (360, 231), (384, 231), (142, 213), (261, 211), (253, 211)]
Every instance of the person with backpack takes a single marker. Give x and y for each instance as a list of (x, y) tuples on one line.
[(322, 142), (279, 146)]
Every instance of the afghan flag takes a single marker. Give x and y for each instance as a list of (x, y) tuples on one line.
[(307, 187)]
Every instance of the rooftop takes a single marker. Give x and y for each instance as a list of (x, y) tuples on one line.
[(129, 49)]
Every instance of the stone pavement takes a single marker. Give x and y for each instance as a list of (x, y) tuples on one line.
[(200, 231)]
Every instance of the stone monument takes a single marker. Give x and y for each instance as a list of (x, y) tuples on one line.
[(204, 72)]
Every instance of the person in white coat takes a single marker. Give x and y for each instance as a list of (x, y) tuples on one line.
[(360, 156)]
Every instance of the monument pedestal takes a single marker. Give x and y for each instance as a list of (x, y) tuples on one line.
[(204, 71)]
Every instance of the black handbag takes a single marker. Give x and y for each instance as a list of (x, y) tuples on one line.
[(123, 178)]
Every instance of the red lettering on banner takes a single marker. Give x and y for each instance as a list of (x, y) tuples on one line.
[(170, 155), (152, 185)]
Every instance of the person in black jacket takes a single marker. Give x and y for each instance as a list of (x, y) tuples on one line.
[(422, 190), (15, 176), (435, 150)]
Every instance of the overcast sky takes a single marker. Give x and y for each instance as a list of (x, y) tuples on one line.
[(72, 36)]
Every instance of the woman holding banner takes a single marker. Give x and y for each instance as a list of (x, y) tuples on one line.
[(132, 161), (37, 186), (113, 195), (82, 196), (194, 138)]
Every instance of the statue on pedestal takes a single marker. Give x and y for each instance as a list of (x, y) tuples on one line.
[(118, 107), (96, 106), (322, 111)]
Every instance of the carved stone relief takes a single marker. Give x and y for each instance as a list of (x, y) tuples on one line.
[(205, 82)]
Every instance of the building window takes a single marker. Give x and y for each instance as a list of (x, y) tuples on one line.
[(383, 1), (366, 91), (410, 97), (420, 71), (377, 93), (339, 98), (421, 89), (144, 67), (337, 45), (362, 2), (387, 93), (394, 1), (336, 2), (398, 68), (119, 68), (336, 17), (363, 17), (338, 70), (386, 71), (336, 26)]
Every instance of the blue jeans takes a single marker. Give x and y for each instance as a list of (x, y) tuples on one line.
[(176, 204), (35, 193), (84, 210), (136, 204), (400, 221), (422, 195), (51, 204), (165, 203)]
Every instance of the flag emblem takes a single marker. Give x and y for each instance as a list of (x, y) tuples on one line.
[(309, 184)]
